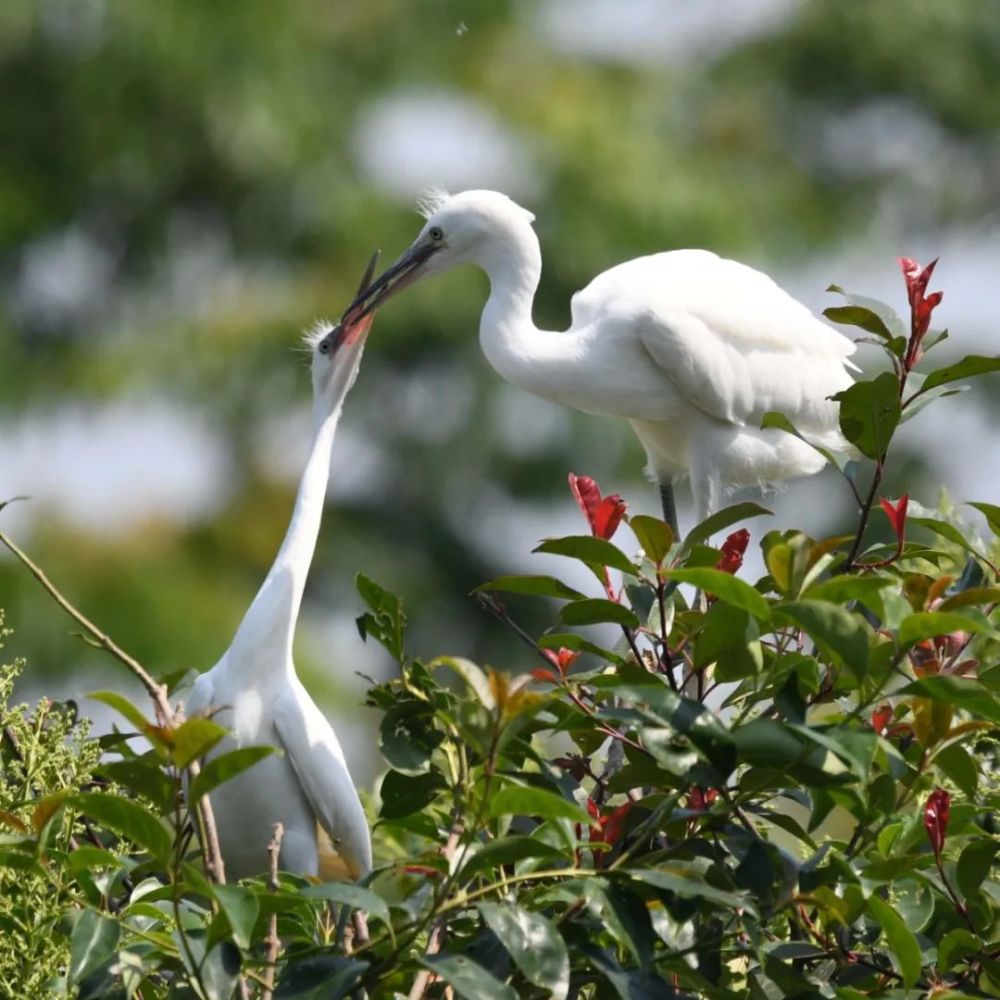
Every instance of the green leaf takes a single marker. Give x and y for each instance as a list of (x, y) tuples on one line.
[(959, 766), (588, 549), (594, 610), (507, 851), (554, 640), (523, 800), (859, 316), (225, 766), (767, 743), (241, 909), (684, 884), (407, 736), (899, 938), (194, 738), (533, 942), (91, 944), (992, 512), (723, 519), (472, 674), (387, 620), (928, 624), (833, 629), (954, 946), (653, 535), (842, 590), (869, 413), (539, 586), (355, 896), (968, 367), (143, 777), (122, 706), (405, 794), (126, 818), (726, 587), (961, 692), (468, 979), (974, 864)]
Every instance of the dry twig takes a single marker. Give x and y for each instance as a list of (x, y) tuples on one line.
[(272, 940)]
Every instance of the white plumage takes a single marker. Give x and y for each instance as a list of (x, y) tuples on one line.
[(254, 690), (691, 348)]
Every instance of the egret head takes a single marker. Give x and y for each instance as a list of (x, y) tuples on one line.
[(336, 351), (473, 227)]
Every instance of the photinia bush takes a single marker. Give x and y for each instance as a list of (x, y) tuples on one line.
[(787, 789)]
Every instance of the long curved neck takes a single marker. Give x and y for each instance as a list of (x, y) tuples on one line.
[(538, 361), (264, 638)]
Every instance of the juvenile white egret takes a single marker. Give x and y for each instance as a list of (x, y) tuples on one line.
[(259, 697), (690, 348)]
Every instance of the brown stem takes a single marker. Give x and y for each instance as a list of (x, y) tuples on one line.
[(272, 941)]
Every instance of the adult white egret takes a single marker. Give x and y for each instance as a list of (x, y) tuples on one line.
[(690, 348), (256, 693)]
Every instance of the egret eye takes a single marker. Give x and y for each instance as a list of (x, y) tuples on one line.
[(324, 346), (435, 233)]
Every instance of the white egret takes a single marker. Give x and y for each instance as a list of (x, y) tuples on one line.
[(690, 348), (255, 692)]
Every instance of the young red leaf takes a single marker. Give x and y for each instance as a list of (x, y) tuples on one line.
[(733, 549), (897, 514), (699, 799), (561, 660), (603, 514), (881, 718), (936, 814), (921, 305), (546, 676)]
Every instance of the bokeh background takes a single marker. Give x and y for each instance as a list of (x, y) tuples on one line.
[(183, 187)]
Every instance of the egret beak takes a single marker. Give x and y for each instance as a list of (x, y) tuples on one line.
[(394, 278), (353, 324)]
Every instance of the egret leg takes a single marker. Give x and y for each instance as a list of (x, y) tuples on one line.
[(669, 507)]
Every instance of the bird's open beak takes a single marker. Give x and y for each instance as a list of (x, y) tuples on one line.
[(393, 279), (355, 323)]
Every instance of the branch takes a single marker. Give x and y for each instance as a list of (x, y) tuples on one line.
[(272, 940)]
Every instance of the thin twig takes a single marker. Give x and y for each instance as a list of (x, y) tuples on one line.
[(272, 940)]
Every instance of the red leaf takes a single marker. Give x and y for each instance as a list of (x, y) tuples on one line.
[(733, 549), (921, 305), (881, 718), (546, 676), (936, 814), (422, 870), (603, 514), (897, 514), (699, 799), (562, 660), (614, 822)]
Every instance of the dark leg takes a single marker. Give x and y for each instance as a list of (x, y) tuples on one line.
[(669, 508)]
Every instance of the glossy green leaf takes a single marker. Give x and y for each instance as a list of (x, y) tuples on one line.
[(473, 675), (241, 909), (956, 763), (194, 738), (899, 938), (859, 316), (961, 692), (467, 978), (869, 413), (524, 800), (992, 514), (405, 794), (123, 707), (832, 628), (386, 621), (533, 942), (126, 818), (596, 610), (355, 896), (929, 624), (686, 884), (507, 851), (144, 777), (968, 367), (227, 765), (588, 549), (726, 587), (91, 944), (539, 586), (653, 534), (723, 519), (954, 946), (974, 864)]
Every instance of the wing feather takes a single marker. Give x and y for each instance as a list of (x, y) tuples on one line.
[(318, 761)]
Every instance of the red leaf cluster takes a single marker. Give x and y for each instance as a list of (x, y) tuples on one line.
[(733, 550), (897, 514), (603, 514), (607, 828), (699, 799), (561, 660), (936, 814), (921, 305)]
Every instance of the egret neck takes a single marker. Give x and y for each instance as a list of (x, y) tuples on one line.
[(264, 638)]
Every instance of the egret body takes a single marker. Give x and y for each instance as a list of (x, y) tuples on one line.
[(254, 690), (690, 348)]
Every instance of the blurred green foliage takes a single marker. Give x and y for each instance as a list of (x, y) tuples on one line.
[(205, 158)]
